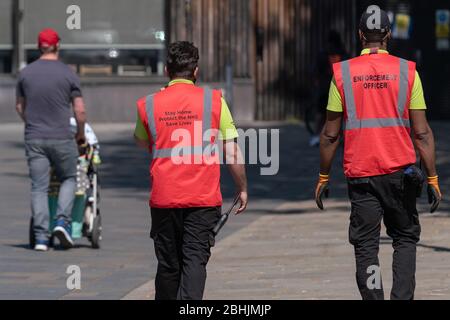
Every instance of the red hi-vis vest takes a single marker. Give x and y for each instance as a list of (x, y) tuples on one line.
[(183, 123), (376, 94)]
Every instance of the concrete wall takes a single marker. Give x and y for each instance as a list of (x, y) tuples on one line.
[(114, 101)]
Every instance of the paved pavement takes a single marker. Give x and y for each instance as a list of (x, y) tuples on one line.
[(283, 248), (298, 252), (126, 259), (308, 258)]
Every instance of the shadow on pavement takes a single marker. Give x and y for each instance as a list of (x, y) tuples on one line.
[(435, 248), (388, 241), (55, 248)]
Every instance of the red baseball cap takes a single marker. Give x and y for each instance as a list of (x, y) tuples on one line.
[(48, 38)]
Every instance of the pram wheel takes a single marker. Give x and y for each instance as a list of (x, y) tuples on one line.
[(96, 236)]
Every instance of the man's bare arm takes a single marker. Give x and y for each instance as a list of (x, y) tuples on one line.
[(80, 116), (235, 163), (424, 141), (20, 107), (329, 141)]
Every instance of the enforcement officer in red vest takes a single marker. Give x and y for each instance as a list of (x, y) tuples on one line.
[(380, 99), (182, 126)]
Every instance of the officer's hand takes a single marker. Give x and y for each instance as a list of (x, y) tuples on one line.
[(322, 189), (243, 200), (80, 138), (434, 193)]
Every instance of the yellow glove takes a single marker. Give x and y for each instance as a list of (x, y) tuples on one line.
[(322, 189), (434, 193)]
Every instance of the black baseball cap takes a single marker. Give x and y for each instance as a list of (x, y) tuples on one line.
[(369, 21)]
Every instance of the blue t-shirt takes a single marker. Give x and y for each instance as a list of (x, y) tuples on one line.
[(49, 87)]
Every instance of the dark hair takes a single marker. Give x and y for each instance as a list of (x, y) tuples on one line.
[(46, 50), (182, 60), (373, 37)]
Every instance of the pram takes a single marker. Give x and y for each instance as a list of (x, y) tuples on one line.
[(86, 218)]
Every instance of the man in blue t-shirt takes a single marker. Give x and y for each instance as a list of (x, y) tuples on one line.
[(47, 90)]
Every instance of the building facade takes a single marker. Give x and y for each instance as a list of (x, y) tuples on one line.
[(262, 53)]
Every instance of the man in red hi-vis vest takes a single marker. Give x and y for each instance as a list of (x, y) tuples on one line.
[(380, 100), (182, 126)]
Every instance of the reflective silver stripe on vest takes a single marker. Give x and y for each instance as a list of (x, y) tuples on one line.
[(377, 123), (403, 87), (150, 101), (207, 116), (178, 151), (348, 90), (354, 123), (182, 151)]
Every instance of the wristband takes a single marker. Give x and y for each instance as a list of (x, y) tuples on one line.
[(433, 180), (324, 178)]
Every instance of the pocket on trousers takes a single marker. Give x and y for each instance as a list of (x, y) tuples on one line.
[(397, 186), (353, 234), (212, 237), (153, 231), (152, 234), (400, 192), (152, 228), (212, 240)]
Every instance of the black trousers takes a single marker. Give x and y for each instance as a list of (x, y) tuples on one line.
[(393, 198), (183, 239)]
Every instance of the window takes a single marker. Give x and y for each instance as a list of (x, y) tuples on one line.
[(122, 37), (6, 40)]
